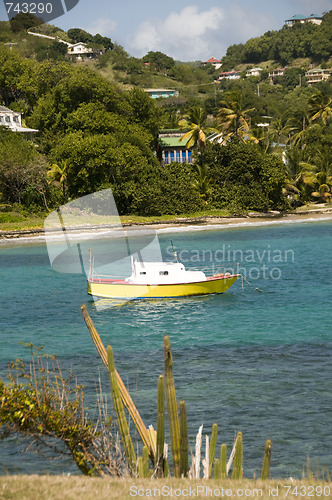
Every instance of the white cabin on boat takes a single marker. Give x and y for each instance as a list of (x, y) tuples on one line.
[(160, 273)]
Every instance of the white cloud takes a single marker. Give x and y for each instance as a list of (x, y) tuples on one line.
[(182, 35), (243, 24), (191, 34), (307, 7), (103, 26)]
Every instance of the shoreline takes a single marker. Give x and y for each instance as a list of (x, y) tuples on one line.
[(203, 222)]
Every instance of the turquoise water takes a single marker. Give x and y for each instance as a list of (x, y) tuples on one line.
[(250, 361)]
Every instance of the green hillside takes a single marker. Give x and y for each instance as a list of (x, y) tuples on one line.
[(98, 128), (310, 41)]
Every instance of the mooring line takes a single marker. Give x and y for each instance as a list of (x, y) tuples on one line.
[(252, 286)]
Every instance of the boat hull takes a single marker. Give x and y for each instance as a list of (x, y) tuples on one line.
[(121, 289)]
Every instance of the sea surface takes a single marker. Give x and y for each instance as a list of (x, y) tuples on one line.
[(257, 358)]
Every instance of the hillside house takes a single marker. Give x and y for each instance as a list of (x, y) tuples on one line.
[(275, 73), (13, 121), (156, 93), (80, 50), (254, 72), (318, 75), (299, 19), (172, 148), (215, 62), (229, 75)]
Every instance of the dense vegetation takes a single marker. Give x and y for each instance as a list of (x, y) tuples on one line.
[(98, 129), (298, 41)]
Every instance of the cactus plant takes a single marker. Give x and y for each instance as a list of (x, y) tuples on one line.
[(145, 461), (238, 458), (125, 396), (160, 426), (223, 461), (166, 468), (217, 469), (154, 447), (266, 461), (183, 440), (213, 444), (172, 409), (118, 406), (140, 467)]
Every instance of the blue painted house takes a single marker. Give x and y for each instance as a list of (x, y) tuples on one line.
[(157, 93), (173, 148)]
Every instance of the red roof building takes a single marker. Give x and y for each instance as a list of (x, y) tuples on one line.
[(215, 62)]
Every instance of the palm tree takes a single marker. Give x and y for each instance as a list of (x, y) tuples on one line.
[(300, 181), (57, 175), (233, 119), (172, 119), (279, 128), (195, 121), (297, 130), (320, 167), (202, 182), (320, 107)]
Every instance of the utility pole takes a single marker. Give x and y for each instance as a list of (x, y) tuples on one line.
[(10, 44)]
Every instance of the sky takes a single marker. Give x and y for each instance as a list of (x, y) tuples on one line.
[(187, 30)]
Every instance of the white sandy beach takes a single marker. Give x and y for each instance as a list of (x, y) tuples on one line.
[(173, 225)]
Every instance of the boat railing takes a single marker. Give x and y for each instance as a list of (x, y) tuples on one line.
[(96, 276), (213, 268)]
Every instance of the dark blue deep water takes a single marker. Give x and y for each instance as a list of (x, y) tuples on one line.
[(256, 362)]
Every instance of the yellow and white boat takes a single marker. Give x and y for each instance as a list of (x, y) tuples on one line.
[(159, 280)]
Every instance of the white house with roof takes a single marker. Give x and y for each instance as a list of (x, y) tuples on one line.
[(13, 121), (80, 50), (275, 73), (318, 75), (300, 19), (254, 72), (215, 62), (229, 75)]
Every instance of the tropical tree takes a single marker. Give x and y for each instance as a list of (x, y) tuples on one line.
[(202, 182), (299, 182), (22, 169), (172, 119), (57, 175), (233, 118), (195, 121), (279, 128), (297, 130), (243, 177), (320, 107), (320, 172)]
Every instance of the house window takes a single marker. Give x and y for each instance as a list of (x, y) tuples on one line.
[(184, 156), (163, 273), (15, 118), (178, 156), (171, 156), (142, 272), (7, 119), (190, 160), (166, 158)]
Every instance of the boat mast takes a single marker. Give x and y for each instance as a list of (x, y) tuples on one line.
[(174, 252)]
